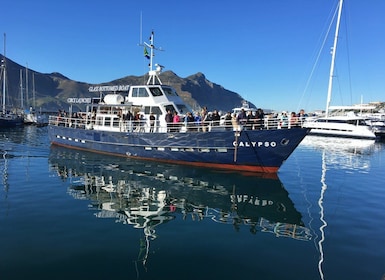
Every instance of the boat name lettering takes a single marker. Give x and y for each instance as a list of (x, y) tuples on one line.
[(78, 100), (244, 198), (255, 144), (108, 88)]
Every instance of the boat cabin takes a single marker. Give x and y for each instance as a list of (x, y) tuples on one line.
[(132, 111)]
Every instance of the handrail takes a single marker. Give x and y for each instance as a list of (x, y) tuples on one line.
[(143, 125)]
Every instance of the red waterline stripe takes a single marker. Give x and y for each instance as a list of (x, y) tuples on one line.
[(233, 167)]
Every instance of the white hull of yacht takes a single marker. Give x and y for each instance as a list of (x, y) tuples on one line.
[(340, 127)]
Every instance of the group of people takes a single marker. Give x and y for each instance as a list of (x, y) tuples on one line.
[(205, 120), (250, 120), (199, 121), (294, 120)]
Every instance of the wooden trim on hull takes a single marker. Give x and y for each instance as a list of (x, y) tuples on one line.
[(266, 171)]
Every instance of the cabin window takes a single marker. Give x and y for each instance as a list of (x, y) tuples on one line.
[(169, 107), (115, 122), (155, 110), (362, 122), (169, 91), (139, 92), (107, 121), (99, 121), (155, 91)]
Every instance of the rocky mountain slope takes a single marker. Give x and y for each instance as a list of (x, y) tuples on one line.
[(49, 92)]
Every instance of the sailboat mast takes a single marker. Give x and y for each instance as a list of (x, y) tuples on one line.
[(26, 86), (21, 89), (4, 75), (33, 91), (333, 58)]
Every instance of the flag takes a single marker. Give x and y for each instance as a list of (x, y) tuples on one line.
[(146, 53)]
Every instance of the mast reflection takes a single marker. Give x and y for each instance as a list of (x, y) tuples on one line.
[(348, 155), (145, 195)]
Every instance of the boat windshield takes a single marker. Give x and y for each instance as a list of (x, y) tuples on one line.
[(169, 91), (155, 91)]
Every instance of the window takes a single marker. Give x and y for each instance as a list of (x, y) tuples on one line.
[(107, 121), (115, 122), (169, 107), (169, 91), (155, 91), (139, 92), (155, 110), (99, 121)]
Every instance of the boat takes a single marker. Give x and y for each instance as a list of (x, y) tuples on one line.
[(31, 116), (8, 118), (377, 122), (130, 121), (378, 126), (347, 125)]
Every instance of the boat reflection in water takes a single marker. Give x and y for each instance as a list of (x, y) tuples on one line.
[(146, 195), (346, 154), (343, 153)]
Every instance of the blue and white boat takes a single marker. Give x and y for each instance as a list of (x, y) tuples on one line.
[(130, 122)]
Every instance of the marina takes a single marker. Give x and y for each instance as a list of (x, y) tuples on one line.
[(138, 179), (66, 213)]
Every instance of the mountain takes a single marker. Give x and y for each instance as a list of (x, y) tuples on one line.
[(52, 90)]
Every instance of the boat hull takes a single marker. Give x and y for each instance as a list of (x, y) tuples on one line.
[(247, 150), (10, 122), (344, 134), (339, 127)]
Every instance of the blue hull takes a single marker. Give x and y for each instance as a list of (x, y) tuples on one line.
[(252, 150)]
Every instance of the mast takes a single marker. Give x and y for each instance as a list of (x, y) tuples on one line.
[(333, 58), (26, 86), (4, 75), (33, 91), (21, 89), (153, 73)]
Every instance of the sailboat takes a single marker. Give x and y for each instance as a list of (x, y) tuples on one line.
[(347, 125), (31, 116), (7, 118)]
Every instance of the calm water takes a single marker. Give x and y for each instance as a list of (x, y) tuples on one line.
[(72, 215)]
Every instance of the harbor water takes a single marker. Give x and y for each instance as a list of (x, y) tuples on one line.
[(67, 214)]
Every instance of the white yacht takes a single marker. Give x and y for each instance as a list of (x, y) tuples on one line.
[(347, 125)]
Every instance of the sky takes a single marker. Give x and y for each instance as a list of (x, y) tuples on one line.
[(273, 53)]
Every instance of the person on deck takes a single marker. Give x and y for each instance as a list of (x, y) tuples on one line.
[(169, 119), (215, 117), (152, 122), (242, 118)]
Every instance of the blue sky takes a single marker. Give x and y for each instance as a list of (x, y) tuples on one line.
[(263, 50)]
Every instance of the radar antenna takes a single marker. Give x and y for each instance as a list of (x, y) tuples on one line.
[(153, 71)]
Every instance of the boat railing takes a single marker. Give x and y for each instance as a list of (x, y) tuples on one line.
[(121, 125)]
